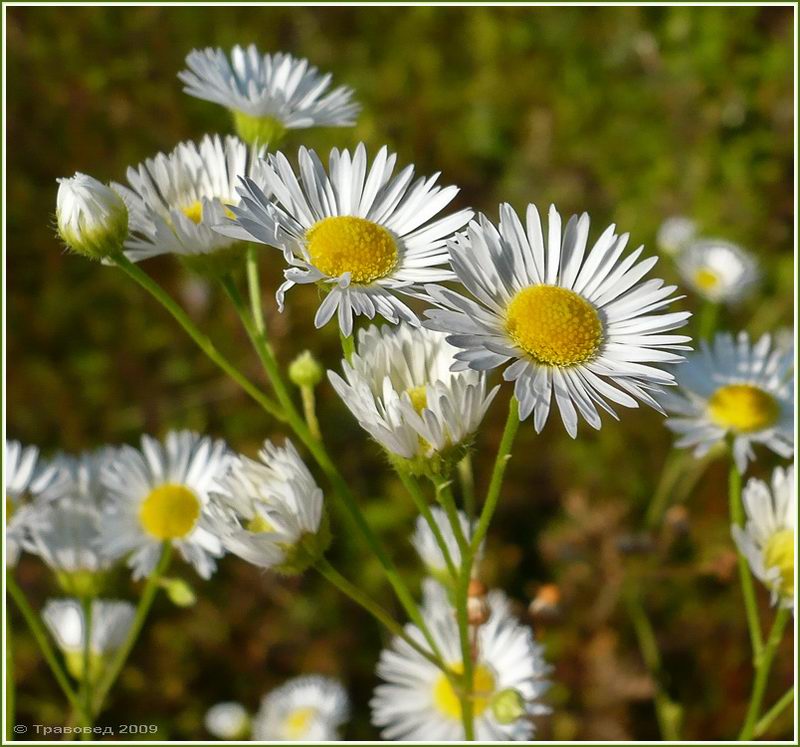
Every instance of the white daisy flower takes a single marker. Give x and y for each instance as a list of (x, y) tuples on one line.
[(417, 701), (267, 94), (25, 476), (109, 626), (718, 270), (362, 234), (309, 709), (581, 328), (229, 721), (768, 538), (270, 512), (159, 495), (92, 218), (736, 389), (428, 549), (675, 233), (400, 388), (175, 199)]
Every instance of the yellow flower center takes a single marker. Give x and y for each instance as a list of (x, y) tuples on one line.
[(348, 244), (419, 397), (259, 524), (706, 279), (194, 212), (553, 325), (446, 699), (169, 512), (742, 408), (779, 553), (296, 725)]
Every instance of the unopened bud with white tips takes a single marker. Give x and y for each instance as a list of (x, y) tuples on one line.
[(92, 217)]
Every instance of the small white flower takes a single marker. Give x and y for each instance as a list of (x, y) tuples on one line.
[(428, 548), (360, 233), (734, 388), (718, 270), (158, 495), (768, 538), (228, 721), (579, 328), (270, 512), (309, 709), (417, 701), (269, 93), (92, 218), (175, 199), (400, 388), (675, 234)]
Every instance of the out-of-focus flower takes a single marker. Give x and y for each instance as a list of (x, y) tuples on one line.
[(580, 329), (270, 512), (418, 702), (675, 234), (229, 721), (92, 218), (734, 388), (363, 235), (718, 270), (428, 548), (309, 709), (400, 388), (768, 538), (546, 605), (267, 94), (158, 495), (110, 623)]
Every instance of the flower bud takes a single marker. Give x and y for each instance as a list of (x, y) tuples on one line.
[(92, 218), (508, 706), (228, 721), (305, 370)]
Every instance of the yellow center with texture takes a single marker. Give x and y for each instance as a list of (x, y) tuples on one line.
[(779, 553), (169, 512), (348, 244), (446, 699), (742, 408), (419, 397), (554, 326)]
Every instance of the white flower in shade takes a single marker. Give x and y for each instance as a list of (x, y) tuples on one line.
[(768, 538), (428, 549), (228, 720), (308, 709), (675, 233), (25, 476), (361, 233), (109, 626), (400, 388), (92, 218), (159, 495), (718, 270), (732, 388), (580, 328), (267, 93), (418, 702), (175, 199), (270, 512)]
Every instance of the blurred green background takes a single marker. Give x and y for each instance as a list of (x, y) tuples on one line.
[(632, 114)]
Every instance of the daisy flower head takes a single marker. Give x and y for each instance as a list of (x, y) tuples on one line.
[(229, 721), (718, 270), (732, 388), (270, 512), (361, 233), (175, 199), (311, 708), (768, 538), (401, 390), (110, 624), (418, 702), (428, 549), (92, 218), (675, 233), (267, 93), (158, 495), (582, 328)]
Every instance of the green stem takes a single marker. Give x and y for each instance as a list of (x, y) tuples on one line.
[(496, 482), (748, 588), (86, 670), (40, 635), (780, 706), (110, 675), (670, 475), (310, 411), (10, 682), (763, 666), (202, 341), (467, 480), (708, 320), (254, 288)]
